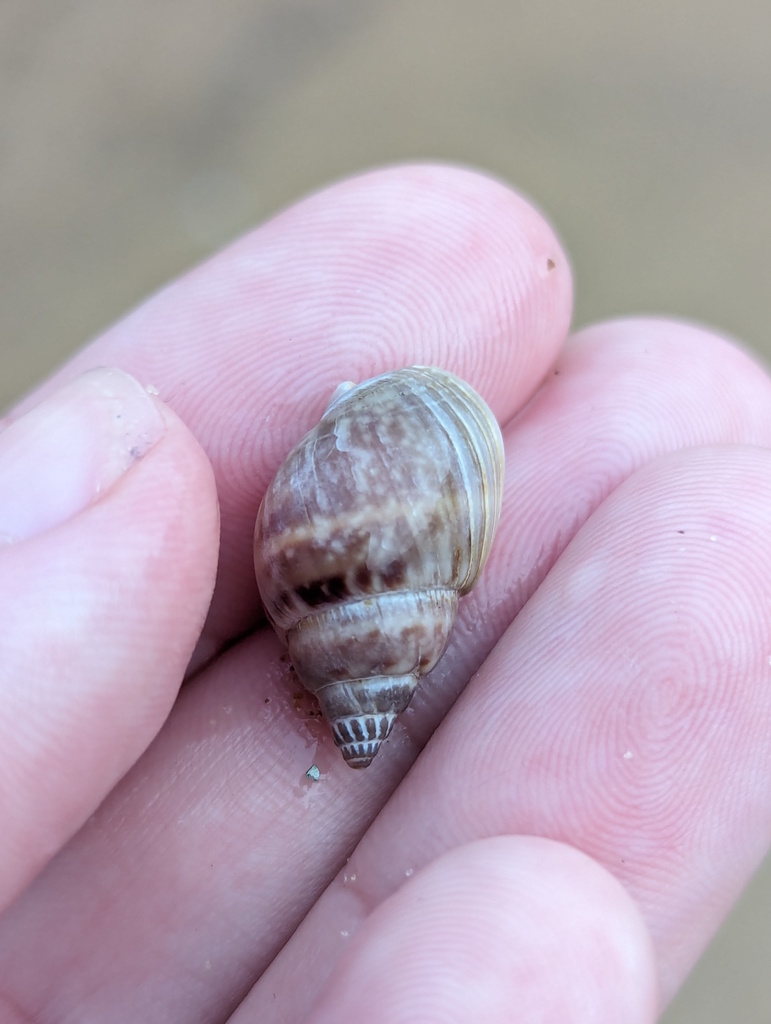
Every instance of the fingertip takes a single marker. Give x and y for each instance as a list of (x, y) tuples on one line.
[(501, 923), (101, 603), (413, 263), (438, 264)]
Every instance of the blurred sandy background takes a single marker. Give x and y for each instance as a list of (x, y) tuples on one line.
[(136, 138)]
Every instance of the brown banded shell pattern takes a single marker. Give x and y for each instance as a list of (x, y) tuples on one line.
[(373, 525)]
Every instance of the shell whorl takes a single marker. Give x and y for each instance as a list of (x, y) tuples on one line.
[(374, 524)]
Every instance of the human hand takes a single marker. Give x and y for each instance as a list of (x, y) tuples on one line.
[(582, 818)]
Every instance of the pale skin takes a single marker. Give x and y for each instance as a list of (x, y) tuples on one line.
[(574, 829)]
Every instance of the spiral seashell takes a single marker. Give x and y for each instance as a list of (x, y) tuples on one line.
[(373, 526)]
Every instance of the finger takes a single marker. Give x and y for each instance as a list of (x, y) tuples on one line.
[(109, 517), (511, 925), (625, 712), (225, 890), (431, 265)]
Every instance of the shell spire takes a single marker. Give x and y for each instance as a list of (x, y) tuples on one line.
[(372, 527)]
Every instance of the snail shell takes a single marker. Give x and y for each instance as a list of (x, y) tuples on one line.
[(373, 526)]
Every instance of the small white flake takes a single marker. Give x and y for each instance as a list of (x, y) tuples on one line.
[(151, 389), (313, 773), (344, 935), (409, 872), (628, 755), (712, 537)]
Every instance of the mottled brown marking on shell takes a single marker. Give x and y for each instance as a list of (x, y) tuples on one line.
[(393, 575), (363, 577)]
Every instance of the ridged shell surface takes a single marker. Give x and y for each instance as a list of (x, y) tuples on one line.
[(374, 524)]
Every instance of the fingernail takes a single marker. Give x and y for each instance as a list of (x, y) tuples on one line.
[(71, 449)]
